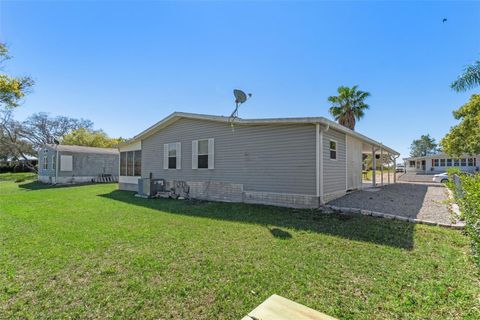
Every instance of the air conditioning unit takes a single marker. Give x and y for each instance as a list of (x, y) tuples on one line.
[(148, 187)]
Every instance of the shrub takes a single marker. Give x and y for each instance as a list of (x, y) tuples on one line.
[(469, 204)]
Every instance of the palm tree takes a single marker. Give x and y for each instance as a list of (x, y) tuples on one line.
[(348, 106), (469, 79)]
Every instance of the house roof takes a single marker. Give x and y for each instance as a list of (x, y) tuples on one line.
[(239, 121), (82, 149), (438, 155)]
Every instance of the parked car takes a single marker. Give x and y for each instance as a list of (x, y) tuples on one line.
[(400, 167), (440, 178)]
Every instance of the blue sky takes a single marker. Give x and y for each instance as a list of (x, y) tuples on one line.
[(127, 65)]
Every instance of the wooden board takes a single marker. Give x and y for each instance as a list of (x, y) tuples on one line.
[(280, 308)]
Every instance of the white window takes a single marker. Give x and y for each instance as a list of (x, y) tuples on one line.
[(435, 162), (333, 149), (172, 155), (203, 154), (463, 162), (449, 162), (411, 164), (54, 162), (66, 163), (442, 162), (456, 162), (45, 162), (470, 162)]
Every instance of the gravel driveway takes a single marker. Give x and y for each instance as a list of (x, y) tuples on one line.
[(426, 201)]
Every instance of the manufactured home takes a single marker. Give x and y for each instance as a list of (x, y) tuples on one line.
[(441, 163), (76, 164), (298, 162)]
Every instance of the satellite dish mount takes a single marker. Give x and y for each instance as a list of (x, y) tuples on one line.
[(240, 97)]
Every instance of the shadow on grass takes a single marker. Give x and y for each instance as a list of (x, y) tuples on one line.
[(35, 185), (359, 228)]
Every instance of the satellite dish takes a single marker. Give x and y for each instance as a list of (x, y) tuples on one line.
[(240, 97)]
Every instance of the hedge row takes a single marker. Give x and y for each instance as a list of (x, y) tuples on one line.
[(468, 198)]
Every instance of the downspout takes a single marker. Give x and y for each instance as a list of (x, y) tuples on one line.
[(56, 165), (317, 158), (395, 168), (322, 191)]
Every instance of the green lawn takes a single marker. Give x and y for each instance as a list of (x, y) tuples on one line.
[(94, 252), (8, 176)]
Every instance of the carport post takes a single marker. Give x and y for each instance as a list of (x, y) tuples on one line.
[(389, 159), (374, 167), (381, 166)]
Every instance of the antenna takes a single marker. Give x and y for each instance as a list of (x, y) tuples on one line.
[(240, 97)]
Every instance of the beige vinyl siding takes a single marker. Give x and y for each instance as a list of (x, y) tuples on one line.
[(334, 171), (269, 158)]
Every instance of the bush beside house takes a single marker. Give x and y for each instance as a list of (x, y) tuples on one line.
[(467, 195)]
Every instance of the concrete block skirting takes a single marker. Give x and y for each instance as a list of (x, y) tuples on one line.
[(458, 225), (332, 196), (216, 191), (233, 192), (128, 186), (66, 180), (281, 199)]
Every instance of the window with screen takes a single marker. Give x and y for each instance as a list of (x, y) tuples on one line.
[(203, 154), (333, 149), (137, 170), (123, 163), (172, 156), (130, 163)]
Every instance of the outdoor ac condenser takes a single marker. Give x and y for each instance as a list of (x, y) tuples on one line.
[(149, 187)]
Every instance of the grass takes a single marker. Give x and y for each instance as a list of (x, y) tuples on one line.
[(95, 252), (17, 176)]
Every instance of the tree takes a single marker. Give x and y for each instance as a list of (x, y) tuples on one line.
[(425, 146), (40, 129), (12, 89), (19, 140), (464, 138), (348, 106), (469, 79), (90, 138)]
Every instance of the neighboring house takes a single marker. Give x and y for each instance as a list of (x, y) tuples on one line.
[(18, 164), (76, 164), (441, 162), (300, 162)]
